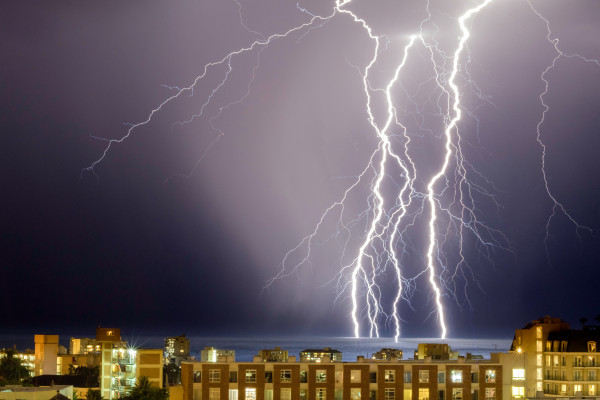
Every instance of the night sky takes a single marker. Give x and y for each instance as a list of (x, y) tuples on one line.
[(180, 226)]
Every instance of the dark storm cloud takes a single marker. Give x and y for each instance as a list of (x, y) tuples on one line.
[(129, 248)]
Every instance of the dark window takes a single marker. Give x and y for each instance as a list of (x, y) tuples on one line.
[(373, 377), (303, 377), (197, 376)]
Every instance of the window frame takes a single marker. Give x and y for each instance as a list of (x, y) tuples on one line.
[(214, 375), (249, 374)]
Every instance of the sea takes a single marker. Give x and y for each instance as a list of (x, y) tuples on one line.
[(247, 347)]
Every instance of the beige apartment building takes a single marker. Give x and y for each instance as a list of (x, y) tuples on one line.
[(122, 365), (558, 361)]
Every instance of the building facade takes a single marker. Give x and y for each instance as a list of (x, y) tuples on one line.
[(123, 365), (177, 349), (364, 379), (558, 361), (46, 354)]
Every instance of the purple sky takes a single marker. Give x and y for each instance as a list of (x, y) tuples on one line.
[(130, 247)]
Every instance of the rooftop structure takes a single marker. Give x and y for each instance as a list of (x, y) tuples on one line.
[(387, 354), (274, 355), (13, 392), (321, 355), (210, 354)]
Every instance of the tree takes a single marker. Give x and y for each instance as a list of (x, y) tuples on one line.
[(91, 374), (144, 390), (12, 371), (94, 394), (172, 373)]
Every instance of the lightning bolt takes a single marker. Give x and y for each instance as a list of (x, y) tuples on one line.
[(402, 195), (557, 206)]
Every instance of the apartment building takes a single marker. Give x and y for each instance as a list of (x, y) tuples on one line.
[(177, 349), (558, 361), (123, 365), (395, 379)]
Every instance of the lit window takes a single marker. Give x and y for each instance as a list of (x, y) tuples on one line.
[(577, 388), (490, 376), (286, 375), (538, 332), (538, 387), (424, 377), (548, 361), (423, 393), (214, 375), (250, 394), (390, 394), (354, 393), (539, 374), (555, 345), (591, 347), (321, 375), (214, 393), (457, 394), (538, 346), (555, 360), (250, 376), (538, 360), (490, 393), (286, 394), (390, 375), (355, 376), (518, 374), (321, 393), (592, 390), (518, 391), (456, 376)]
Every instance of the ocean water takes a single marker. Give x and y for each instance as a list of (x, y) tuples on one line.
[(246, 348)]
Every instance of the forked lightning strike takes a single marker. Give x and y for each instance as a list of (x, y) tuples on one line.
[(443, 199)]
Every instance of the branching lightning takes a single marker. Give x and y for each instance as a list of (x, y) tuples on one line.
[(557, 206), (443, 199)]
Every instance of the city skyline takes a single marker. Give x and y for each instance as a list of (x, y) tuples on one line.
[(185, 223)]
